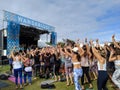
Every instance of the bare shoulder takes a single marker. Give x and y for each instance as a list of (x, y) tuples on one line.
[(118, 57)]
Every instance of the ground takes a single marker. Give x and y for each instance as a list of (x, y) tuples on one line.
[(36, 84)]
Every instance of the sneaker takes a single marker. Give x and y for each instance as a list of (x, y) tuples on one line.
[(72, 83), (83, 88), (59, 80), (68, 84), (21, 86), (25, 84), (16, 87), (35, 78), (30, 83), (91, 86)]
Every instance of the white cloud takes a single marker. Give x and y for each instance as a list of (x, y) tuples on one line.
[(72, 18)]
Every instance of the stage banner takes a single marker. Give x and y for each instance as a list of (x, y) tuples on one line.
[(13, 30), (8, 16)]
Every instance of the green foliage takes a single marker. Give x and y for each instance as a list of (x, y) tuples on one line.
[(48, 43)]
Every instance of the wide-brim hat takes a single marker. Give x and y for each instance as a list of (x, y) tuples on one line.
[(75, 49)]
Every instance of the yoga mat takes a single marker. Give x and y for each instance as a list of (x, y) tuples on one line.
[(12, 79)]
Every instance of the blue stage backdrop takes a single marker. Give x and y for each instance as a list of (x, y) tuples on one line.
[(13, 30), (53, 38)]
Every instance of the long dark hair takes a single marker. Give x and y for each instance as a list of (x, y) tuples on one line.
[(78, 56), (92, 55), (117, 50), (85, 50), (16, 53)]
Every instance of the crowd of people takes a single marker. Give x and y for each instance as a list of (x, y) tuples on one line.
[(72, 62)]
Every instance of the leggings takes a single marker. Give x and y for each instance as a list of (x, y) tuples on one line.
[(77, 74), (16, 72), (86, 72), (37, 69), (11, 68), (102, 80), (57, 69), (116, 77), (29, 75)]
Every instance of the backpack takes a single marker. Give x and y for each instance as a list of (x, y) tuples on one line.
[(3, 77), (46, 86)]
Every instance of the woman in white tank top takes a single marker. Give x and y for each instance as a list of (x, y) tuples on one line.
[(115, 56), (102, 73), (17, 63), (116, 74), (17, 66)]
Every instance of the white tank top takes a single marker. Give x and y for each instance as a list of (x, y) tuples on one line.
[(85, 61), (101, 66), (117, 64), (17, 63)]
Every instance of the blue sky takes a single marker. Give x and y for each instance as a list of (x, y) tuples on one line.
[(72, 19)]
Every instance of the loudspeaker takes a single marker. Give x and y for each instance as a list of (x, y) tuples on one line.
[(5, 43), (4, 60)]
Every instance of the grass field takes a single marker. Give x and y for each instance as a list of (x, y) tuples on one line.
[(36, 84)]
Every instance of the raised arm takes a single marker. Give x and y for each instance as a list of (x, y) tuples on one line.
[(106, 46), (22, 58), (80, 50), (114, 41), (68, 53), (112, 58), (97, 43), (62, 51), (88, 51), (12, 53), (96, 53)]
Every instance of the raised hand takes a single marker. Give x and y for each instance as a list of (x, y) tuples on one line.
[(91, 42), (112, 52), (85, 40), (78, 40), (106, 43), (113, 36), (97, 40)]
